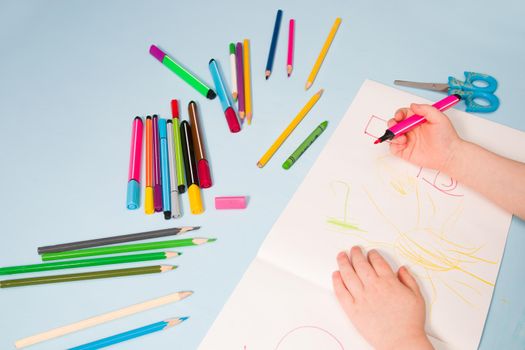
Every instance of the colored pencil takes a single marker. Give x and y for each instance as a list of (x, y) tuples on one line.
[(323, 53), (284, 135), (247, 81), (97, 242), (201, 160), (107, 317), (184, 74), (240, 80), (72, 277), (233, 70), (71, 264), (174, 191), (128, 248), (291, 36), (148, 190), (134, 333), (273, 44), (178, 145)]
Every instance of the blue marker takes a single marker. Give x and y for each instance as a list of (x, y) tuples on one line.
[(231, 117), (165, 169)]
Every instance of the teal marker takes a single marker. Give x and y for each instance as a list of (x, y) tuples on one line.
[(304, 145)]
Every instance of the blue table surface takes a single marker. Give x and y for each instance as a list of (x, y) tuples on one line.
[(74, 74)]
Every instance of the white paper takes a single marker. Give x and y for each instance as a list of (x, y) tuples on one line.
[(358, 194)]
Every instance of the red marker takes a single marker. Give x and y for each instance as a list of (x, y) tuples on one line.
[(411, 122)]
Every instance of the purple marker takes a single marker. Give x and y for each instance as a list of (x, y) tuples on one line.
[(240, 79), (157, 187)]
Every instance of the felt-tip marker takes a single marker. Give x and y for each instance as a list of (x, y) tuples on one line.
[(165, 169), (192, 179), (157, 186), (411, 122), (133, 194)]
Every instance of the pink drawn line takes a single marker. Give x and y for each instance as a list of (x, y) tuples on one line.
[(447, 188), (309, 327)]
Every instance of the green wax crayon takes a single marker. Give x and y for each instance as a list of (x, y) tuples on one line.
[(304, 145)]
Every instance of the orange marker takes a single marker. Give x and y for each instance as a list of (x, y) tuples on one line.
[(148, 203)]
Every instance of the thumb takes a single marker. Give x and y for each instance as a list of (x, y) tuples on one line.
[(432, 114), (408, 280)]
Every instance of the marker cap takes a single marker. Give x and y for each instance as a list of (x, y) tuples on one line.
[(133, 196), (204, 173), (156, 52), (148, 200), (231, 119), (194, 194)]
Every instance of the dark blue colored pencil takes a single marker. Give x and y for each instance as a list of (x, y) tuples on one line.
[(273, 45)]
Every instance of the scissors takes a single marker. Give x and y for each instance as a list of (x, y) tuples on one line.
[(476, 86)]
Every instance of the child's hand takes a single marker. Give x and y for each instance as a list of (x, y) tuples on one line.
[(430, 145), (387, 309)]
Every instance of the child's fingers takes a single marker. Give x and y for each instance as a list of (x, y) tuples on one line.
[(379, 264), (431, 114), (343, 295), (401, 114), (362, 267), (391, 122), (408, 280), (348, 275), (400, 140)]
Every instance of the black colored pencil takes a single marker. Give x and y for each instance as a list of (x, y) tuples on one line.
[(115, 239)]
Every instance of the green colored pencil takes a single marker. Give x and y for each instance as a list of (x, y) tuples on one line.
[(70, 264), (86, 276), (118, 249)]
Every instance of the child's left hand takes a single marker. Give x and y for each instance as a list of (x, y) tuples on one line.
[(387, 309)]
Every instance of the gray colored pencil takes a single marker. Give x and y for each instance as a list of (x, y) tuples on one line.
[(115, 239)]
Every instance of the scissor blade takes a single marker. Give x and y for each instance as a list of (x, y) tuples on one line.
[(426, 86)]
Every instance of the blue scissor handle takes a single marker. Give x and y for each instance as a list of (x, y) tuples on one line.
[(470, 79), (491, 100)]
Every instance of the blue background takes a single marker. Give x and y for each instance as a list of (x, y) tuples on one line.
[(73, 74)]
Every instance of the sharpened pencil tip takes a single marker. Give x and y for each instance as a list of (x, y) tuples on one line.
[(307, 86), (185, 294)]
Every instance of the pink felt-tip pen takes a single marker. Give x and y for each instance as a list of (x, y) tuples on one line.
[(411, 122), (135, 157), (157, 184), (291, 35)]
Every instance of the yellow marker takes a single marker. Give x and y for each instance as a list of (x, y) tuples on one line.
[(194, 195), (148, 204), (323, 53), (300, 116), (247, 81)]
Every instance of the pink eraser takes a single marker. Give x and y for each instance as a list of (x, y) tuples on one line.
[(235, 202), (204, 173), (231, 119)]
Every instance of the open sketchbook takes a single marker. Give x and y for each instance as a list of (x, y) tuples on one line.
[(358, 194)]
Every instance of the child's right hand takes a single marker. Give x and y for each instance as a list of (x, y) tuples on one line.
[(430, 145)]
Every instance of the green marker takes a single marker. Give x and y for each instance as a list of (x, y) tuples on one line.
[(179, 162), (304, 145), (181, 72)]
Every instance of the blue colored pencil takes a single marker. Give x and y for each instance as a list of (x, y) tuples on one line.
[(134, 333), (273, 45)]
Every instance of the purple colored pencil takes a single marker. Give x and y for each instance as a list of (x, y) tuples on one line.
[(240, 79), (157, 187)]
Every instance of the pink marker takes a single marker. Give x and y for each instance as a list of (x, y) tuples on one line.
[(411, 122), (289, 62), (135, 157)]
